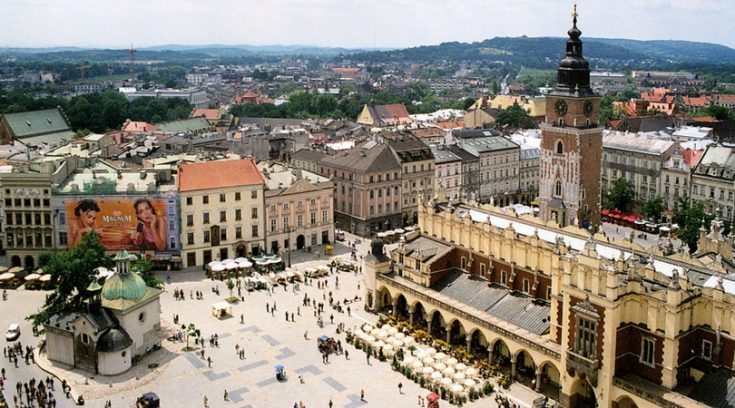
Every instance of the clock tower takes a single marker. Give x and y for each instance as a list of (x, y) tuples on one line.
[(571, 143)]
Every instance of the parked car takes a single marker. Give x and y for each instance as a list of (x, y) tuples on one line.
[(13, 332)]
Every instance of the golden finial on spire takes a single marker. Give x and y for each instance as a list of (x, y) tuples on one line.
[(574, 14)]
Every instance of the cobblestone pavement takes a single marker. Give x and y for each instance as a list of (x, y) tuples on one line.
[(182, 379)]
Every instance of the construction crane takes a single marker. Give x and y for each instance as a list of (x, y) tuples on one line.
[(83, 67), (132, 51)]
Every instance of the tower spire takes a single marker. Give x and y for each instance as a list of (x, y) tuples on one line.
[(574, 15)]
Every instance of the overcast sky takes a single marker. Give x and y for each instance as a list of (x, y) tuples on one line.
[(351, 23)]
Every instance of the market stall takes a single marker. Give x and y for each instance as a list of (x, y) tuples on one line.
[(220, 310)]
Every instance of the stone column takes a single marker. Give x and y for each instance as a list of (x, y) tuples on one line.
[(410, 316), (513, 369), (428, 326), (449, 335), (538, 379), (469, 344)]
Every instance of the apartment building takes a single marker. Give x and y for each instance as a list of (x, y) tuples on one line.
[(499, 164), (417, 170), (713, 181), (448, 173)]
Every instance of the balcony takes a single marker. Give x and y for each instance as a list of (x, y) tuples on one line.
[(583, 366)]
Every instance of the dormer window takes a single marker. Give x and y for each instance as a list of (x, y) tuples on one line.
[(559, 147)]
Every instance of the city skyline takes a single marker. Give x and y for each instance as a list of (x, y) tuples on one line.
[(330, 23)]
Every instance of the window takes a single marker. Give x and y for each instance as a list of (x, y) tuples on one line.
[(238, 214), (141, 317), (585, 340), (647, 347), (254, 213), (85, 338), (273, 225), (254, 194), (62, 239), (299, 220), (285, 222), (206, 236), (325, 216), (526, 286), (223, 234), (503, 277), (237, 196), (205, 218), (463, 263), (707, 349), (205, 199), (222, 197), (190, 238), (238, 232), (371, 194), (254, 229), (222, 216), (285, 206), (482, 269), (548, 292), (557, 190), (312, 218)]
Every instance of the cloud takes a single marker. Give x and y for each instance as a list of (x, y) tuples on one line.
[(350, 23)]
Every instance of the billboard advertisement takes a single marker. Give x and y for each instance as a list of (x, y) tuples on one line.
[(132, 223)]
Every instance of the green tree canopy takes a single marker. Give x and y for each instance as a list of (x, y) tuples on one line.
[(653, 208), (620, 196), (690, 219), (515, 116), (71, 273)]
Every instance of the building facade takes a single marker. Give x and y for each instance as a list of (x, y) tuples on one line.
[(499, 160), (222, 210), (448, 174), (299, 209), (713, 181), (417, 171)]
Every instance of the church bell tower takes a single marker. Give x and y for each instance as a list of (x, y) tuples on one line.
[(571, 143)]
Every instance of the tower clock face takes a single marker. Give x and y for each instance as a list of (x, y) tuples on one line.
[(588, 108), (560, 107)]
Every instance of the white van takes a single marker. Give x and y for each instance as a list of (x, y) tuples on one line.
[(13, 332)]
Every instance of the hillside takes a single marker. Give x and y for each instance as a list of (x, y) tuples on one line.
[(544, 52)]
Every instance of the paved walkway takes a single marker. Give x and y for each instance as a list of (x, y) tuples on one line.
[(182, 379)]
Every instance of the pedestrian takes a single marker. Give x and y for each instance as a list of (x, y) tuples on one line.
[(331, 403), (347, 354), (292, 319), (227, 397), (209, 362), (286, 316), (362, 395), (400, 388), (267, 308), (306, 335), (206, 401)]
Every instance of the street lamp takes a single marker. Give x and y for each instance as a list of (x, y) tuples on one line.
[(288, 238)]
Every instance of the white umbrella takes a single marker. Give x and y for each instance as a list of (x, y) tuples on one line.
[(440, 356), (408, 360), (428, 360), (471, 371), (460, 367), (431, 351), (245, 264), (359, 332), (400, 336), (436, 376), (392, 331), (440, 366), (370, 339), (217, 268), (456, 388), (379, 344), (445, 381), (388, 350), (427, 370), (421, 355), (452, 361), (228, 260), (469, 383), (231, 266), (384, 327), (409, 340), (213, 263), (241, 259), (459, 377), (449, 371), (374, 331), (367, 327), (397, 344), (417, 364)]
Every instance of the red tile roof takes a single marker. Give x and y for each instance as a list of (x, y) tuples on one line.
[(209, 114), (133, 126), (218, 174), (456, 123), (346, 69)]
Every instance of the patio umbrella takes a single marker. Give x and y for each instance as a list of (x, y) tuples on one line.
[(45, 278), (359, 332), (279, 367), (7, 276), (275, 260), (471, 371), (370, 339), (460, 377), (262, 263), (436, 376), (228, 260), (379, 344), (445, 382), (428, 360), (427, 371), (385, 327), (452, 361), (32, 276), (400, 336), (211, 264), (382, 334), (366, 327), (397, 344), (469, 383), (392, 331), (408, 361), (460, 367), (245, 264), (231, 266), (457, 389), (409, 341), (433, 397), (417, 364), (218, 268), (241, 259), (449, 371), (388, 349), (440, 366), (440, 356), (431, 351)]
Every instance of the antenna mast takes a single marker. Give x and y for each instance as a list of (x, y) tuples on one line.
[(132, 51)]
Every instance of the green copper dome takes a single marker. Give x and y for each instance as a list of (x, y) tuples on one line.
[(127, 286)]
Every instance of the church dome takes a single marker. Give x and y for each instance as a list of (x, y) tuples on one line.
[(114, 340), (127, 286)]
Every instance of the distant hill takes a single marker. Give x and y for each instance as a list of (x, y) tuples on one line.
[(545, 52)]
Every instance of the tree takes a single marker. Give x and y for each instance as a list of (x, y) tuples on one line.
[(620, 196), (690, 219), (191, 331), (515, 116), (230, 285), (71, 273), (653, 208), (144, 268)]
